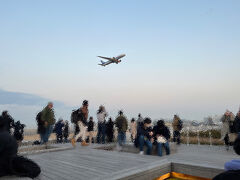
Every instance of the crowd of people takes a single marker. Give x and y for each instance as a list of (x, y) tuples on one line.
[(143, 133), (158, 135)]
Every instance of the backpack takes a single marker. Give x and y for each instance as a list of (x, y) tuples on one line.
[(74, 116), (180, 125), (38, 117)]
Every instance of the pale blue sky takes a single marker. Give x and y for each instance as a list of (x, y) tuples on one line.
[(181, 56)]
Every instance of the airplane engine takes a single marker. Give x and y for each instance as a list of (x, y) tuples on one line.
[(118, 61)]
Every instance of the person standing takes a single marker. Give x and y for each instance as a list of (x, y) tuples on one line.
[(227, 119), (82, 117), (177, 127), (122, 126), (110, 130), (101, 115), (90, 129), (40, 126), (145, 136), (237, 123), (48, 118), (139, 120), (133, 129), (66, 131), (162, 136)]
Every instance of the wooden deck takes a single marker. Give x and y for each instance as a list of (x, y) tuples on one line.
[(87, 163)]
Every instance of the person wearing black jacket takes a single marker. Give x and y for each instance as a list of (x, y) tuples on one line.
[(82, 118), (58, 129), (41, 129), (145, 136), (6, 122), (90, 129), (109, 130), (237, 123), (18, 131), (66, 131), (162, 135), (11, 163)]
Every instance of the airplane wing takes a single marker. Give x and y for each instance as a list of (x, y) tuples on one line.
[(110, 59)]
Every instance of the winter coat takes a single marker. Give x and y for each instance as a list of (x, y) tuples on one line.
[(66, 130), (121, 123), (175, 124), (237, 123), (101, 116), (83, 115), (40, 124), (226, 121), (161, 131), (48, 116), (133, 128), (58, 129), (109, 127), (144, 132), (90, 126), (139, 122)]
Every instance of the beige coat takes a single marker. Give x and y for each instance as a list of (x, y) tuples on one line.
[(133, 129), (175, 124)]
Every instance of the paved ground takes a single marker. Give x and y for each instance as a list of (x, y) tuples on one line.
[(89, 163)]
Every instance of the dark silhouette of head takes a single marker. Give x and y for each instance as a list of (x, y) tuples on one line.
[(85, 103), (101, 109), (133, 120), (161, 123), (120, 113), (4, 113), (147, 121)]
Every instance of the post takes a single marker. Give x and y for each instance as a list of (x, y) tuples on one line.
[(187, 136), (198, 137), (210, 138)]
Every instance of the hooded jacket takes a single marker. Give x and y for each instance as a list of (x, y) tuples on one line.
[(161, 130)]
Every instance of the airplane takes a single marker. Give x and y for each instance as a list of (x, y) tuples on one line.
[(111, 60)]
